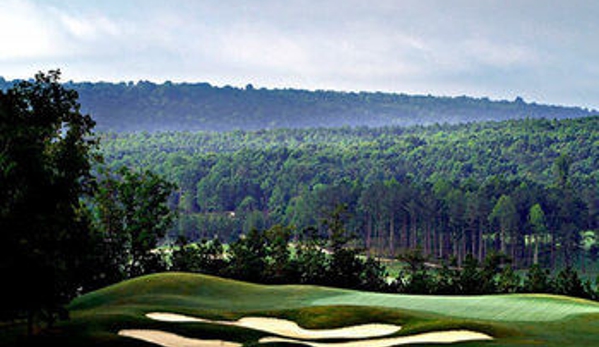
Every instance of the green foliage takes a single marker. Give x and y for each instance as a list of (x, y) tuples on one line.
[(568, 283), (561, 170), (133, 215), (338, 235), (414, 259), (509, 281), (538, 224), (46, 152), (311, 260), (279, 269), (537, 280), (506, 216), (470, 278), (206, 256), (345, 269), (419, 282), (417, 278), (248, 260), (401, 186), (374, 276)]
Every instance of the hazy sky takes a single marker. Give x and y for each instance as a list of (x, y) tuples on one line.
[(543, 50)]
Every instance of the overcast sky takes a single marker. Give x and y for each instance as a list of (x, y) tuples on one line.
[(543, 50)]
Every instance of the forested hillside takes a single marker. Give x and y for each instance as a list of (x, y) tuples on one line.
[(527, 187), (145, 106)]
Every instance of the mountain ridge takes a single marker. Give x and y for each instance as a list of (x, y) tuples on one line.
[(151, 107)]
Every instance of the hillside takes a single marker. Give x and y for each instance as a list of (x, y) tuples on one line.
[(185, 291), (98, 318), (435, 186), (145, 106)]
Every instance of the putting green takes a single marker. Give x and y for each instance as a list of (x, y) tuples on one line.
[(507, 308)]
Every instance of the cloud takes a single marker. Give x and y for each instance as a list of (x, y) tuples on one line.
[(88, 28), (498, 48), (23, 32), (34, 31)]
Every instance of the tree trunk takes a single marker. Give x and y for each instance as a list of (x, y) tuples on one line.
[(502, 243), (404, 234), (535, 256), (413, 232), (379, 236), (427, 238), (553, 252), (391, 236), (369, 236), (481, 244)]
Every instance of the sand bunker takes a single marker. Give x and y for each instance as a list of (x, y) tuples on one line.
[(288, 328), (167, 339), (439, 337), (295, 334)]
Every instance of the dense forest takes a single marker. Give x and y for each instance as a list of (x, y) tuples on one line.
[(527, 187), (146, 106), (80, 210)]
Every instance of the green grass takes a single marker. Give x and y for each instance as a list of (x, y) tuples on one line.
[(506, 308), (515, 320)]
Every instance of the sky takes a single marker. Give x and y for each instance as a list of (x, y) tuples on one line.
[(545, 51)]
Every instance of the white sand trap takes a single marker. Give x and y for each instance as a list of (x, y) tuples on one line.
[(175, 317), (167, 339), (439, 337), (288, 328)]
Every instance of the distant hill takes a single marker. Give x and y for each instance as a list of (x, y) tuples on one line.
[(146, 106)]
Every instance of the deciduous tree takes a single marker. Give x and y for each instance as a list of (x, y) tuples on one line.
[(46, 152)]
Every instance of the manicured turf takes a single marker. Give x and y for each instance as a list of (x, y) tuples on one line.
[(506, 308), (514, 320), (213, 293)]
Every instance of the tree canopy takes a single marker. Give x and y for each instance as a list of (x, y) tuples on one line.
[(147, 106), (46, 151), (452, 189)]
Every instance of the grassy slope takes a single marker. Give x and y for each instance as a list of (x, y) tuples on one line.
[(516, 320), (507, 308)]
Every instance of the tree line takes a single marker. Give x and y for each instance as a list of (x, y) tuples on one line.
[(271, 256)]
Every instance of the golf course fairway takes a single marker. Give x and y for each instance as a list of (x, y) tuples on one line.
[(200, 310)]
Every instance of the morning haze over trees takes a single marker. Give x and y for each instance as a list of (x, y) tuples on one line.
[(146, 106), (288, 186)]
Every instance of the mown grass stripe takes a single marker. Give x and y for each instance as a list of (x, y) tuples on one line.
[(492, 307)]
